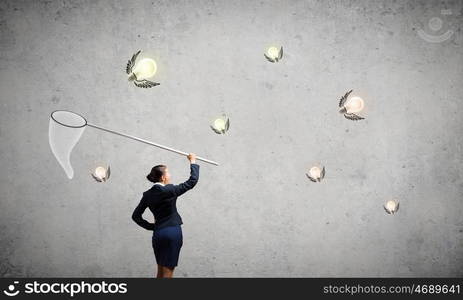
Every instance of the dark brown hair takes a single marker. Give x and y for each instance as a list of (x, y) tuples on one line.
[(156, 173)]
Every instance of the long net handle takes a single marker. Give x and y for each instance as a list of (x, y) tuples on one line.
[(151, 143)]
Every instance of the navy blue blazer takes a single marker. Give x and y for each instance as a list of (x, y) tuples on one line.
[(162, 201)]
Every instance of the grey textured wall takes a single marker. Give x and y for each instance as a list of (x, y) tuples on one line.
[(256, 214)]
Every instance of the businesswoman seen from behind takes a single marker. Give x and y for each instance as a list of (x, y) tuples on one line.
[(161, 199)]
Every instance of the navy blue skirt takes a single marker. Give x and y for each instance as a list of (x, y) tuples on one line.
[(167, 242)]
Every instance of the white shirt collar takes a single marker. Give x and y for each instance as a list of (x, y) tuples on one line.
[(160, 183)]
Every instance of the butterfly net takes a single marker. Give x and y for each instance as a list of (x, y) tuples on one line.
[(64, 131)]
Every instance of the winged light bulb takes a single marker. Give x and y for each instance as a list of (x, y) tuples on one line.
[(101, 174), (274, 54), (220, 124), (316, 173), (391, 206), (139, 71), (351, 106)]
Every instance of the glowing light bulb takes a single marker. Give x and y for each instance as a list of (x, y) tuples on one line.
[(139, 71), (354, 105), (221, 124), (316, 173), (101, 174), (145, 68), (273, 52), (391, 206), (348, 107)]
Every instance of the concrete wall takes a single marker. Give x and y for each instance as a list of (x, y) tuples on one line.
[(256, 214)]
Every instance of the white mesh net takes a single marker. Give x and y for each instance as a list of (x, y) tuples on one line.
[(64, 131)]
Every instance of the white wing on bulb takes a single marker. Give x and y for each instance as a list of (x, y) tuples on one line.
[(280, 54), (108, 172), (322, 173), (131, 63), (353, 117), (344, 98), (268, 58), (310, 177), (145, 83)]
